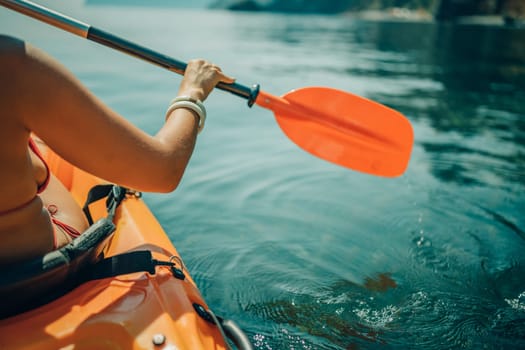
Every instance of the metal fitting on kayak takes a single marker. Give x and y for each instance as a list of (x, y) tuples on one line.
[(201, 311), (176, 271), (133, 193), (158, 339), (228, 328)]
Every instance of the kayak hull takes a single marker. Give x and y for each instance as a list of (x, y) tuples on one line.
[(134, 311)]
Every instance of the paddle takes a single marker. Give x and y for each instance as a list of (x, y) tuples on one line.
[(334, 125)]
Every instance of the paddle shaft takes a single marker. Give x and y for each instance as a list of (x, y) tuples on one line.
[(87, 31), (107, 39)]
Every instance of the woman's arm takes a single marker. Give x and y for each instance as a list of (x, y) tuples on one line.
[(52, 103)]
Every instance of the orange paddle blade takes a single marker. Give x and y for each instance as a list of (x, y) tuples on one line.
[(343, 128)]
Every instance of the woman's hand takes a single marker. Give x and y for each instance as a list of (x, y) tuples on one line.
[(200, 78)]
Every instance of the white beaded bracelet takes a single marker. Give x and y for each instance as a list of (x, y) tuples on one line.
[(189, 103)]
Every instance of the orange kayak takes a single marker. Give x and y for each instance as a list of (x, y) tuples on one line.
[(137, 310)]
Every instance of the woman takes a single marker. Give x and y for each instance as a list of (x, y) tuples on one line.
[(40, 97)]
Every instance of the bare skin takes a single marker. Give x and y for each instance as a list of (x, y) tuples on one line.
[(38, 95)]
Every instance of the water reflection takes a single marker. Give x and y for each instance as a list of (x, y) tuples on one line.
[(481, 74), (338, 313), (416, 315), (459, 284), (466, 82)]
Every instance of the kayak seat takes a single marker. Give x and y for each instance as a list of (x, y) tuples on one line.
[(27, 285), (32, 283)]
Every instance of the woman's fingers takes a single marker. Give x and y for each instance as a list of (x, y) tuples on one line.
[(202, 76), (224, 78), (227, 79)]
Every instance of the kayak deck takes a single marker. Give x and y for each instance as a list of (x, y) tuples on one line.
[(133, 311)]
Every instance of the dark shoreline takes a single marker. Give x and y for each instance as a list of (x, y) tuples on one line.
[(407, 15), (445, 13)]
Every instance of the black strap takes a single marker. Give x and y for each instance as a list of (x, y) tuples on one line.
[(121, 264), (114, 195), (131, 262)]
